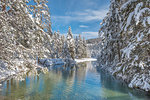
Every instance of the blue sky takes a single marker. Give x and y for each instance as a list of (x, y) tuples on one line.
[(84, 16)]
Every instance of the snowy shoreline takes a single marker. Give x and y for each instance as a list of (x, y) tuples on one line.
[(145, 87), (85, 60), (6, 74)]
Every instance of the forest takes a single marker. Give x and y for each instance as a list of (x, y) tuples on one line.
[(122, 48)]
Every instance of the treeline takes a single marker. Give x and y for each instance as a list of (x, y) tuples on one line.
[(25, 34), (68, 47)]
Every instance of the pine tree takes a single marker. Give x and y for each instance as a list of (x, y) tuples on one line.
[(80, 47), (84, 48), (125, 48), (61, 46), (71, 44), (76, 47), (42, 15), (54, 45), (111, 29), (66, 53)]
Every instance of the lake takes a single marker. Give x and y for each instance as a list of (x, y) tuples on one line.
[(81, 82)]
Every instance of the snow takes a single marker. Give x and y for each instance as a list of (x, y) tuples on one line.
[(125, 5), (19, 66), (148, 19), (85, 60), (140, 81), (138, 6), (129, 20), (50, 62), (139, 36), (128, 49), (141, 65), (31, 17), (140, 13)]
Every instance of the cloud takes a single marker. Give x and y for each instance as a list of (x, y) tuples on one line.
[(84, 16), (83, 26), (90, 15)]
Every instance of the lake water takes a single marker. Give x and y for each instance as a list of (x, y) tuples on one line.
[(83, 82)]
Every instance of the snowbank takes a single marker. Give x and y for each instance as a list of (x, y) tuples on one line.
[(49, 62), (19, 66), (85, 60)]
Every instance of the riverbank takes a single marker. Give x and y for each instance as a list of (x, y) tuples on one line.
[(25, 66), (85, 60), (136, 82), (87, 82), (19, 66)]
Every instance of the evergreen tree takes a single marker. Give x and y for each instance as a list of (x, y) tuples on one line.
[(111, 29), (76, 47), (84, 48), (125, 47), (66, 53), (61, 45), (42, 15), (55, 45), (80, 47), (71, 43)]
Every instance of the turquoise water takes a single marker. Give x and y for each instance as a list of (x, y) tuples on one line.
[(83, 82)]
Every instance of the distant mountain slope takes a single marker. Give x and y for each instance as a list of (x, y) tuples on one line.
[(92, 41)]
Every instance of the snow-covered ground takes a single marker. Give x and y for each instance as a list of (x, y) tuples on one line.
[(50, 62), (20, 65), (85, 60)]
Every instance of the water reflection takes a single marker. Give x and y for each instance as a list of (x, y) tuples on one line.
[(80, 82)]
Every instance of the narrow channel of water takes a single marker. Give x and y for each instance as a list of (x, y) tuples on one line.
[(84, 82)]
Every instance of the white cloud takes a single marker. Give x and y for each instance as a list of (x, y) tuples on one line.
[(83, 26), (90, 15), (84, 16)]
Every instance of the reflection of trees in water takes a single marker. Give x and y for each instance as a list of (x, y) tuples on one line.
[(63, 81), (81, 72), (13, 89), (32, 88), (117, 88)]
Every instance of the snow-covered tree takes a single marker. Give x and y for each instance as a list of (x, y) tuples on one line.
[(21, 38), (55, 45), (66, 53), (61, 46), (76, 46), (71, 43), (80, 47), (25, 35), (111, 29), (84, 48), (126, 46), (41, 15)]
